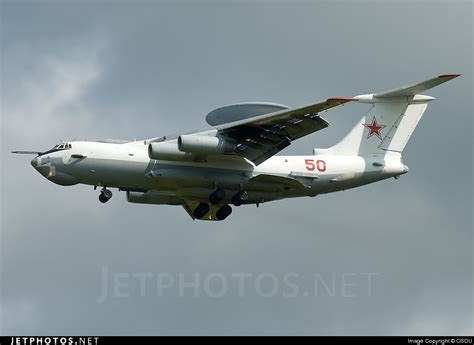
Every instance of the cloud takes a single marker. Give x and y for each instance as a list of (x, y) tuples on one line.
[(15, 314), (47, 98)]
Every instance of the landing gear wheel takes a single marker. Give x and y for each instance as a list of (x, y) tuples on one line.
[(105, 195), (223, 212), (240, 198), (201, 210), (217, 196), (102, 198)]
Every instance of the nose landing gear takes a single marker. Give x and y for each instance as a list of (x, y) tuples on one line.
[(105, 195)]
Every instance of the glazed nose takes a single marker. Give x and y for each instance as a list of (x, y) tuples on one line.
[(34, 162)]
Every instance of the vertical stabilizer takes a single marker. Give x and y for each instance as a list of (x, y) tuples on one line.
[(391, 120)]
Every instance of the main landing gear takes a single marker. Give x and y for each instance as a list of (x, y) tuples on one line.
[(105, 195), (201, 210), (222, 213), (240, 198), (217, 197)]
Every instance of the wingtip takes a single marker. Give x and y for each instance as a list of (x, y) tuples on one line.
[(452, 75)]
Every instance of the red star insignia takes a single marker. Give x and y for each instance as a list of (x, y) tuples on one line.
[(374, 128)]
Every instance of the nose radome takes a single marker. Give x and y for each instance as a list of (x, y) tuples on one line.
[(34, 162), (63, 179), (51, 172)]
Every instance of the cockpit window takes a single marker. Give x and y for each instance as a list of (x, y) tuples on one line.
[(62, 146), (59, 147)]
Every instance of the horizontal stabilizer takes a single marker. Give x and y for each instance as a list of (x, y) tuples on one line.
[(417, 88)]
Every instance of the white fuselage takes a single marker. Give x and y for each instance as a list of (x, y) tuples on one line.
[(128, 167), (234, 163)]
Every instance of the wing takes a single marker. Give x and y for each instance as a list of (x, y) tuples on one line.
[(260, 137)]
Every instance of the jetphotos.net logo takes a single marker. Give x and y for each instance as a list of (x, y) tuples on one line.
[(53, 341), (121, 285)]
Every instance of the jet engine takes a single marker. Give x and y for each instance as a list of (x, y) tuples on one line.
[(167, 151), (204, 144)]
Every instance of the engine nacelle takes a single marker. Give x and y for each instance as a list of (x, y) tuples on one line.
[(167, 151), (204, 144), (151, 197)]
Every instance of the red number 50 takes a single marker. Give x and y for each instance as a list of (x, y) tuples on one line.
[(320, 165)]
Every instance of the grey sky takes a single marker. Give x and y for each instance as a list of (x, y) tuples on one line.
[(91, 70)]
